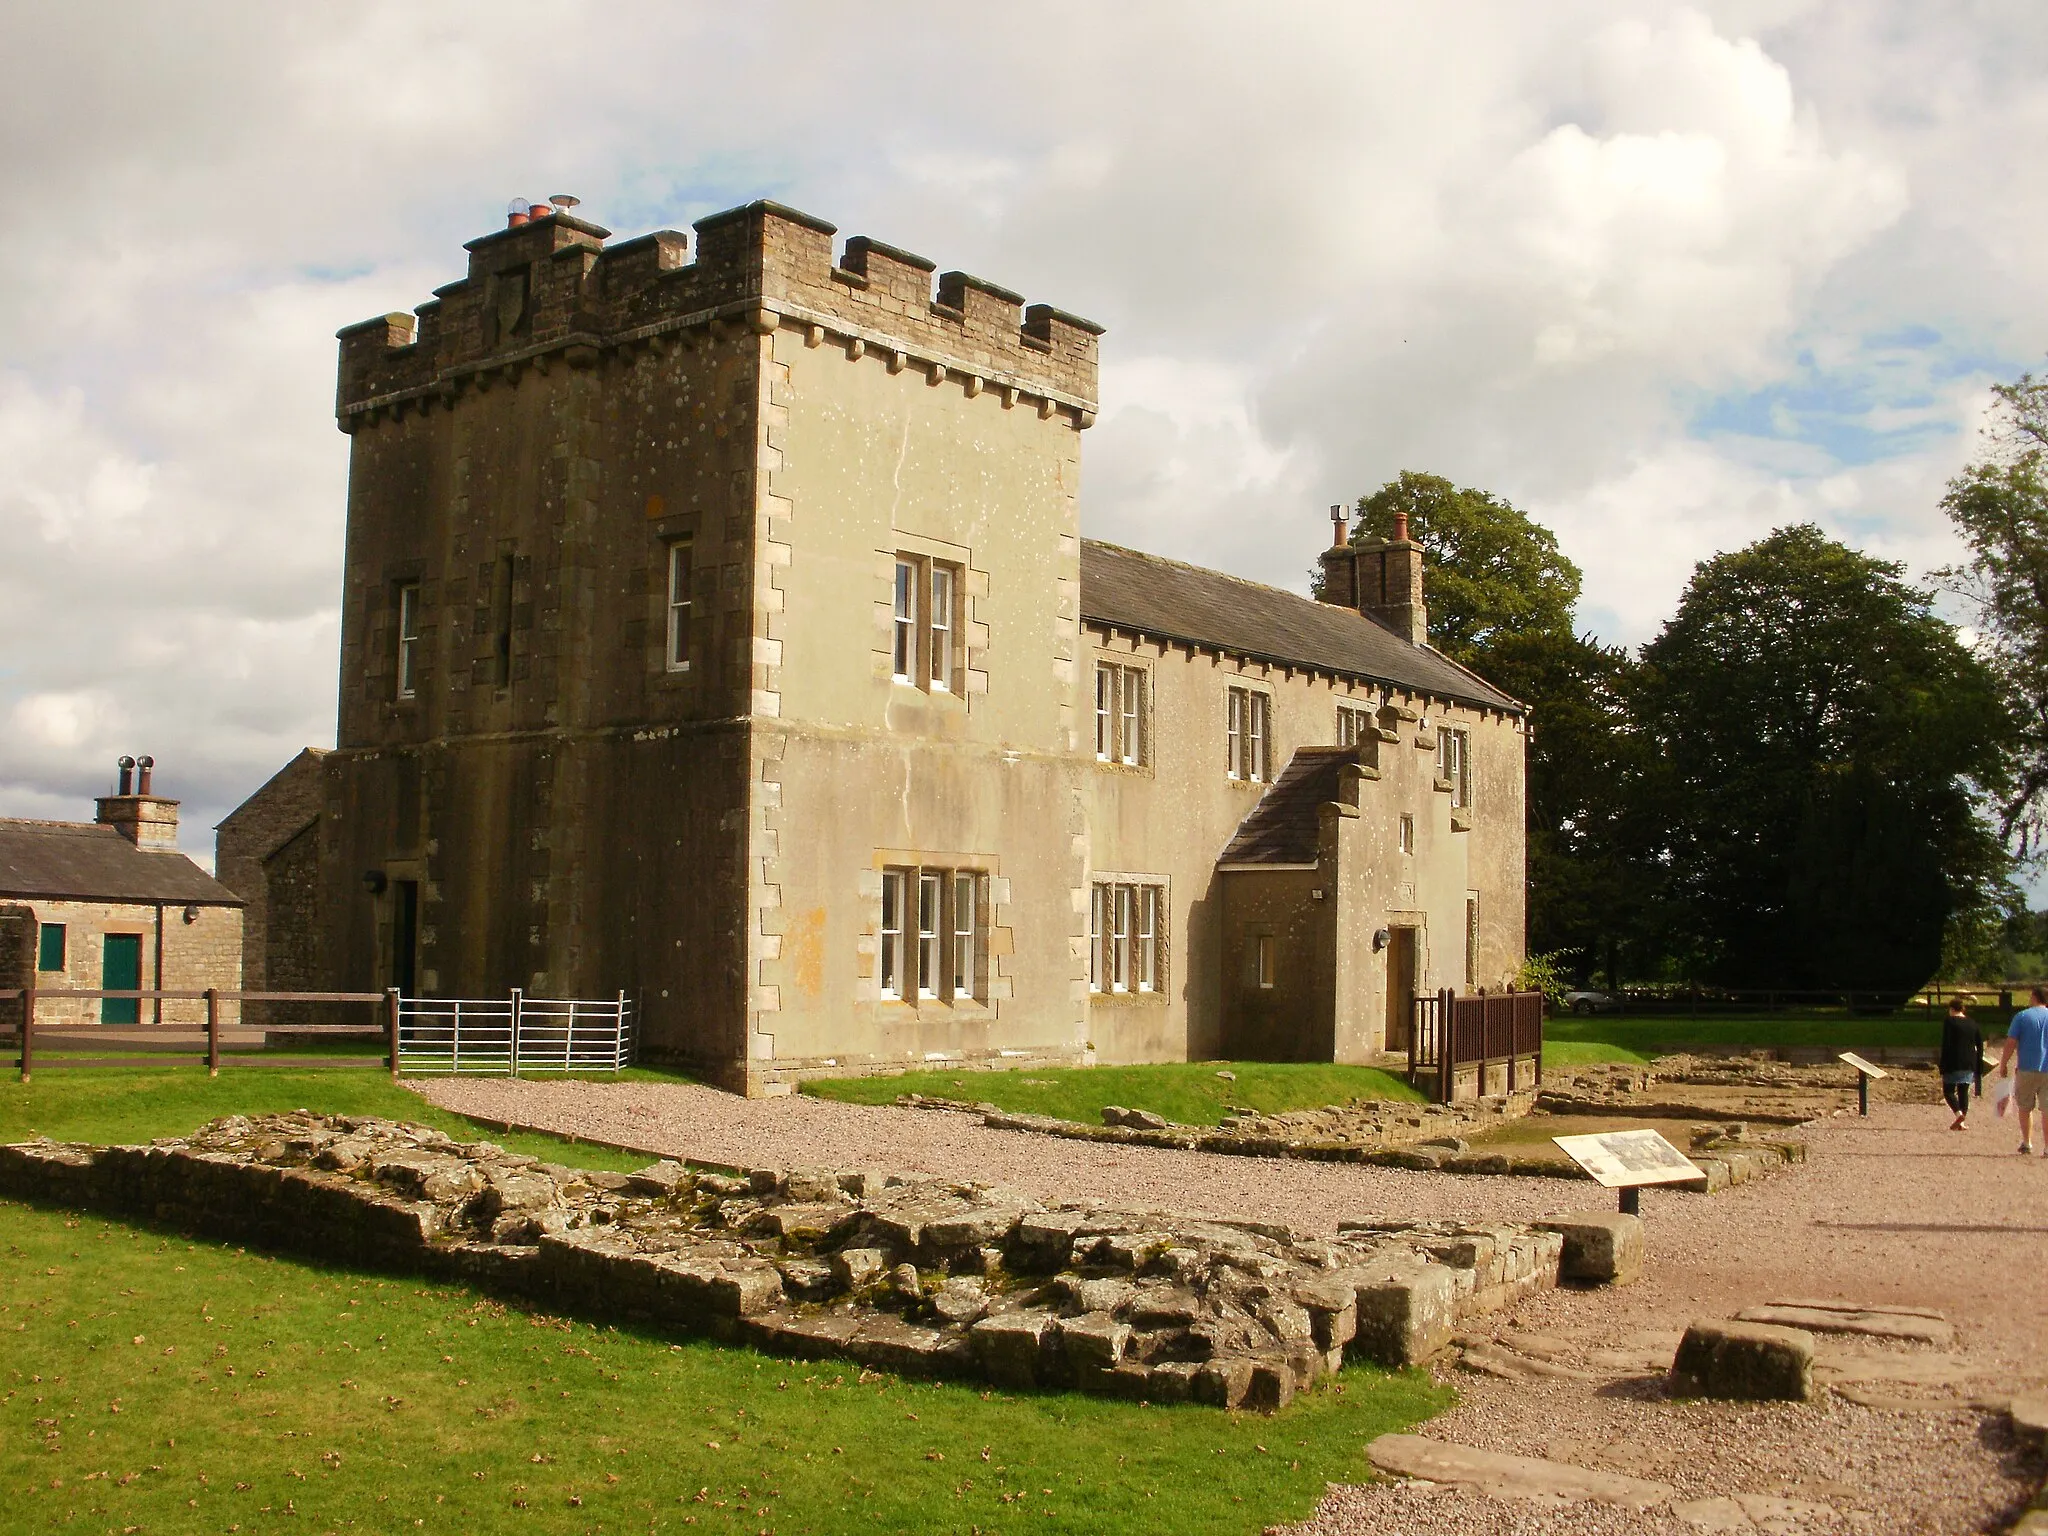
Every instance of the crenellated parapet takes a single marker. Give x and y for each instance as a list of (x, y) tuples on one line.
[(551, 291)]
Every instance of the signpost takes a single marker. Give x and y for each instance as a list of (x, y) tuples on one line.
[(1865, 1071), (1627, 1160)]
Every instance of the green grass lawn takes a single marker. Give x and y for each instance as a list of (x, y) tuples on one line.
[(1185, 1092), (1578, 1053), (130, 1104), (196, 1386), (1663, 1034)]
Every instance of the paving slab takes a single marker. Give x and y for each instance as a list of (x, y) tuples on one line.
[(1510, 1477), (1869, 1365), (1871, 1322), (2030, 1417)]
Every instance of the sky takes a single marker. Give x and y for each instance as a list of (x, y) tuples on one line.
[(1665, 276)]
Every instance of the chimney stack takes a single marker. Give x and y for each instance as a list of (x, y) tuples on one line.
[(149, 821), (1382, 579)]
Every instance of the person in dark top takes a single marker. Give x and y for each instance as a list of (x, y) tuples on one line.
[(1962, 1061)]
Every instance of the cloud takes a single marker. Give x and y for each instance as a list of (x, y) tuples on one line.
[(1665, 275)]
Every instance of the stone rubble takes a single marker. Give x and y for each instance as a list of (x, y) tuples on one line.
[(1426, 1137), (923, 1276)]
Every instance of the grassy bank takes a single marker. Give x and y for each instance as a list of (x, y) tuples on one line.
[(1187, 1093)]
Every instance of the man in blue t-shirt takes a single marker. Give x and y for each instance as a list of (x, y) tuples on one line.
[(2027, 1039)]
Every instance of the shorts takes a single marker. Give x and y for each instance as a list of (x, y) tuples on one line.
[(2030, 1092)]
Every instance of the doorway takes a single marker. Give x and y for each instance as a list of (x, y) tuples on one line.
[(120, 971), (405, 936), (1401, 952)]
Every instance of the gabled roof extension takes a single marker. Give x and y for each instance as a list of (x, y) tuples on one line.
[(1285, 826), (1125, 589)]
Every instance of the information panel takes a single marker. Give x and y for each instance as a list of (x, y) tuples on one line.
[(1867, 1068), (1625, 1159)]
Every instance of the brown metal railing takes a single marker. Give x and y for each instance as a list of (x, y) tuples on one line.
[(1448, 1032), (213, 998)]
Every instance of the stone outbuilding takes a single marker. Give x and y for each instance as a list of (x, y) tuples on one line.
[(112, 904), (717, 627)]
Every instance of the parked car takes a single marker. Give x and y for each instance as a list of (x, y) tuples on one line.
[(1587, 1003)]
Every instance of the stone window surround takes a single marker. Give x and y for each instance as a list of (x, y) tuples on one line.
[(678, 600), (970, 636), (1249, 731), (990, 942), (1121, 704), (666, 531), (1162, 937)]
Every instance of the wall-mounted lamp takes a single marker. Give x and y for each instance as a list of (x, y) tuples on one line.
[(191, 914), (374, 881), (1381, 938)]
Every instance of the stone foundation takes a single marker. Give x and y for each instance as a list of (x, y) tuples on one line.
[(914, 1275)]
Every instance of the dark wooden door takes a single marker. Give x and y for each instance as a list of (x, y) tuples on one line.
[(405, 937), (120, 971), (1401, 948)]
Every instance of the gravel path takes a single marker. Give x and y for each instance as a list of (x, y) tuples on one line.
[(684, 1120), (1893, 1210)]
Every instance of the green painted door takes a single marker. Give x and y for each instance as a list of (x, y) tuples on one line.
[(120, 971)]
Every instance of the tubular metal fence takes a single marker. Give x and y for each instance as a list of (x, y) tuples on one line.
[(511, 1036)]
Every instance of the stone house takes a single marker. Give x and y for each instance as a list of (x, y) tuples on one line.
[(111, 904), (720, 629)]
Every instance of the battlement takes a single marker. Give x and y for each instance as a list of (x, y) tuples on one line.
[(552, 287)]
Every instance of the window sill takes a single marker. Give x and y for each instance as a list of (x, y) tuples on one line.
[(1154, 998), (1139, 770), (939, 1007), (1461, 821)]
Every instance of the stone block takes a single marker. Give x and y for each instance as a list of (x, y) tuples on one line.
[(806, 1338), (1104, 1294), (959, 1302), (1094, 1339), (1405, 1317), (813, 1186), (856, 1267), (1271, 1386), (1015, 1349), (803, 1223), (1600, 1247), (1172, 1381), (1744, 1360), (888, 1344), (1223, 1383), (1043, 1240), (658, 1180), (2030, 1419)]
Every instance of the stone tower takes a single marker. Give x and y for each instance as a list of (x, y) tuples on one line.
[(630, 700)]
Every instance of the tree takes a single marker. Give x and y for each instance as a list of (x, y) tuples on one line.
[(1819, 746), (1501, 596), (2000, 507)]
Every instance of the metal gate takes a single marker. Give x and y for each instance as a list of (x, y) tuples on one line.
[(514, 1035)]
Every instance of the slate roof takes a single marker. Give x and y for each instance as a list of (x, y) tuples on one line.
[(1283, 827), (1171, 601), (84, 861)]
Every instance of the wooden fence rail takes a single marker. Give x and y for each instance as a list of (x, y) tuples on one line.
[(213, 998)]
